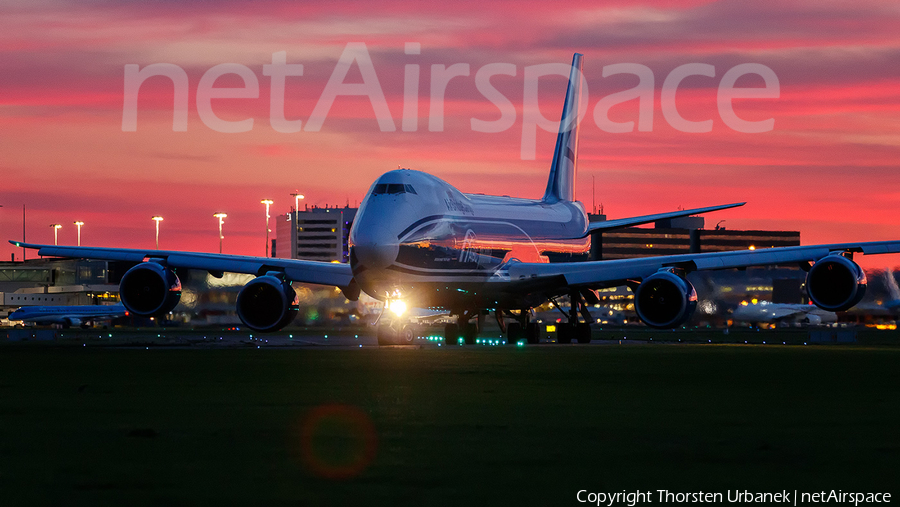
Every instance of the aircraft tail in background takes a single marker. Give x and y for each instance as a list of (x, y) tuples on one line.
[(894, 291)]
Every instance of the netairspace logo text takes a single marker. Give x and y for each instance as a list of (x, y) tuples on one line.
[(664, 496), (356, 56)]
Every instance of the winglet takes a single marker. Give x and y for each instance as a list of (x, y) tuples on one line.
[(561, 185)]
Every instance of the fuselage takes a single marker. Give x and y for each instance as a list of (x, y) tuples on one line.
[(417, 237), (64, 314)]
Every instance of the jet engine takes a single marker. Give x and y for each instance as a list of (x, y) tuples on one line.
[(835, 283), (665, 300), (267, 303), (150, 289)]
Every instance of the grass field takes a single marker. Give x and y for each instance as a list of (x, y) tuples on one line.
[(470, 426)]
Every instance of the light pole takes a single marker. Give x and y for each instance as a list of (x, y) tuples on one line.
[(297, 196), (157, 219), (267, 202), (56, 228), (221, 217), (79, 223)]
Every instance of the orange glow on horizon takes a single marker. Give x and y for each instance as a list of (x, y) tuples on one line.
[(829, 169)]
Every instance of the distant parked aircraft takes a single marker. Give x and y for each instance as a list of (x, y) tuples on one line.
[(73, 315), (771, 313)]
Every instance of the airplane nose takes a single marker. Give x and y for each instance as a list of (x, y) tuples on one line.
[(374, 235), (376, 255)]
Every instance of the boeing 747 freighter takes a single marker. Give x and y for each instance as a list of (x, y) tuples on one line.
[(420, 241)]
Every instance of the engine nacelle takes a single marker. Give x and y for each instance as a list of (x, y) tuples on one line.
[(150, 290), (835, 283), (665, 300), (267, 303)]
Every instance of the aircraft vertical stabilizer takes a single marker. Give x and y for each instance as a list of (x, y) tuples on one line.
[(892, 284), (561, 186)]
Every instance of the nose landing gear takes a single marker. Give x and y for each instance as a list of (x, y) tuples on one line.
[(395, 333)]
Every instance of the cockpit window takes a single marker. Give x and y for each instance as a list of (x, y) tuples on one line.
[(392, 188)]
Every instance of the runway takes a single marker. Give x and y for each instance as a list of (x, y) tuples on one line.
[(327, 422), (364, 336)]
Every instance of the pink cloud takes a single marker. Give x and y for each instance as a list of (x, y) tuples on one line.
[(823, 170)]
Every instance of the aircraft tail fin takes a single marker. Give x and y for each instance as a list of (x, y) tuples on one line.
[(561, 186), (892, 284)]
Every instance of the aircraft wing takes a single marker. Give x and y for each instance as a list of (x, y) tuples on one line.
[(324, 273), (646, 219), (616, 272)]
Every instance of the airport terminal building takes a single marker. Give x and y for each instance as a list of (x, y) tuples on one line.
[(315, 234), (681, 236)]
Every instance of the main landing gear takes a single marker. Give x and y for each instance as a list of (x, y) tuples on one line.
[(573, 330), (469, 324), (522, 328)]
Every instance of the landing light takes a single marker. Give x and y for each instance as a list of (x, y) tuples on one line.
[(397, 306)]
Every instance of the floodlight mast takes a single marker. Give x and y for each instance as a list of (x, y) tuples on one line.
[(157, 219), (267, 202), (56, 228), (221, 217), (79, 223), (297, 196)]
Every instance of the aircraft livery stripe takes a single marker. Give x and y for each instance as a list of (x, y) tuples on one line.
[(435, 272), (547, 226)]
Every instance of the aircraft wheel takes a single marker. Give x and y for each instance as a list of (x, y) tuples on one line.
[(583, 332), (513, 332), (386, 336), (471, 334), (564, 333), (451, 334), (533, 333), (408, 334)]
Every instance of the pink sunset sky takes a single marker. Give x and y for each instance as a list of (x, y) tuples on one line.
[(830, 166)]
